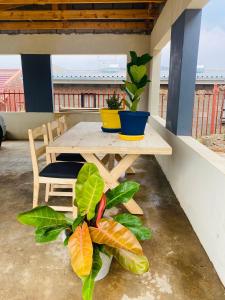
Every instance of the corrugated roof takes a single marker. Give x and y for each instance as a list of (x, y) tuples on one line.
[(208, 75), (106, 73)]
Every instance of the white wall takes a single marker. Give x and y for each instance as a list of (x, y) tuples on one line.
[(73, 43), (17, 124), (197, 177)]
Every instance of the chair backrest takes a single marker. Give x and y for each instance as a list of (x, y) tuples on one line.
[(62, 124), (38, 148), (54, 130)]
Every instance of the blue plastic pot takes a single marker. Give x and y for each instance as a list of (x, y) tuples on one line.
[(133, 123)]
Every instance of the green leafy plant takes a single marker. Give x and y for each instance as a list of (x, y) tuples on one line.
[(91, 233), (114, 101), (137, 72)]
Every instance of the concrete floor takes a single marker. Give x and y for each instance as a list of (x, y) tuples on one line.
[(180, 269)]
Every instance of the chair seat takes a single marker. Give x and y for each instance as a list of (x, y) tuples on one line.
[(70, 157), (61, 170)]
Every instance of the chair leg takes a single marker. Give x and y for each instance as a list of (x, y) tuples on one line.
[(74, 207), (47, 190), (36, 194)]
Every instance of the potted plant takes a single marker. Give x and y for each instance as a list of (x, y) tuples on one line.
[(133, 122), (109, 116), (92, 238)]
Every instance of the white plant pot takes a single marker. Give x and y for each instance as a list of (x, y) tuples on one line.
[(106, 263)]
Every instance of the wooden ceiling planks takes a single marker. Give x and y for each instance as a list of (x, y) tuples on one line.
[(115, 16)]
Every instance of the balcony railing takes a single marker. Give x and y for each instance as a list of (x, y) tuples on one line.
[(208, 112), (13, 101)]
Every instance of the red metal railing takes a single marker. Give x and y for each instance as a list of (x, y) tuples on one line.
[(208, 111), (13, 101), (89, 100)]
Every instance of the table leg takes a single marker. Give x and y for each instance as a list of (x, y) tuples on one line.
[(111, 176), (130, 170)]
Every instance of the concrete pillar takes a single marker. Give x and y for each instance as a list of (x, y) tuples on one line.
[(37, 81), (154, 86), (182, 75)]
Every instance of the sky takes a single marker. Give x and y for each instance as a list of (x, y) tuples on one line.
[(212, 37), (211, 47)]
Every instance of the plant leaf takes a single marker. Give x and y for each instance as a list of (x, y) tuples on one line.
[(42, 216), (128, 220), (48, 234), (90, 196), (81, 250), (134, 57), (85, 172), (127, 104), (139, 92), (131, 87), (135, 104), (137, 264), (65, 242), (122, 193), (143, 82), (88, 282), (144, 59), (134, 224), (138, 72), (142, 233), (113, 234), (77, 222)]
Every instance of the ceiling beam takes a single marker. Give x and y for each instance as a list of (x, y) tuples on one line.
[(42, 2), (74, 25), (19, 15), (6, 7)]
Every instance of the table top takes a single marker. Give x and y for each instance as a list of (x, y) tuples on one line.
[(87, 137)]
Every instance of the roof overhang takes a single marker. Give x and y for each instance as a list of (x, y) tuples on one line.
[(79, 16)]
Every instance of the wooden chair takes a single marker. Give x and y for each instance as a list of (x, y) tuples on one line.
[(55, 129), (62, 124), (60, 174)]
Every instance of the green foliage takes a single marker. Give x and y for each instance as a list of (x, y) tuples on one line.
[(137, 72), (77, 222), (86, 171), (90, 196), (114, 101), (89, 188), (42, 216), (88, 282), (122, 193), (48, 234), (89, 192), (134, 223)]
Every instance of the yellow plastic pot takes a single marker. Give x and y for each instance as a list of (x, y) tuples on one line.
[(110, 120)]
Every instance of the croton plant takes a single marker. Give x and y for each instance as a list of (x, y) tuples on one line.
[(91, 233)]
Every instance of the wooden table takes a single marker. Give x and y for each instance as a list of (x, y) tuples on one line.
[(87, 139)]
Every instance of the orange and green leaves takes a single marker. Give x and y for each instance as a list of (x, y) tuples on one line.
[(89, 189), (113, 234), (134, 263), (81, 250)]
